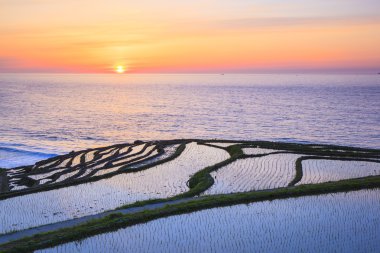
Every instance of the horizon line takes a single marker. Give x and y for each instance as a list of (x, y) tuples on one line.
[(343, 71)]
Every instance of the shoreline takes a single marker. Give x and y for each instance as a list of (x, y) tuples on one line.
[(31, 156), (305, 149), (190, 200)]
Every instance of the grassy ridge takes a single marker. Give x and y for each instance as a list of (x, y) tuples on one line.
[(116, 221), (299, 171), (10, 194), (201, 181), (308, 149), (3, 180)]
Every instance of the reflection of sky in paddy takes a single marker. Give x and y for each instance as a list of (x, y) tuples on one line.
[(318, 170), (161, 181), (340, 222)]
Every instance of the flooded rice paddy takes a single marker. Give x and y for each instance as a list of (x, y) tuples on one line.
[(340, 222), (160, 181), (259, 173), (319, 171)]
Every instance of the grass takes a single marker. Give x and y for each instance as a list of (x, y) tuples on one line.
[(198, 183), (201, 181), (3, 180), (10, 194), (299, 172), (298, 166), (116, 221)]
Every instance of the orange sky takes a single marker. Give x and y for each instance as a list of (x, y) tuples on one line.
[(189, 36)]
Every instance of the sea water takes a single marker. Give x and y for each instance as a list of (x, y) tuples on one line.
[(46, 114)]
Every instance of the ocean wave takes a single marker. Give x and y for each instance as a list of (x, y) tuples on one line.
[(12, 157), (21, 151)]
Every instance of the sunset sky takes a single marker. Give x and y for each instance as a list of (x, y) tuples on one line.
[(189, 36)]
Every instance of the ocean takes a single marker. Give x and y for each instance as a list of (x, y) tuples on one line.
[(42, 115)]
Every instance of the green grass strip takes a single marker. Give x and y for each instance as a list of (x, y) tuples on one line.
[(299, 171), (3, 180), (198, 183), (116, 221), (10, 194)]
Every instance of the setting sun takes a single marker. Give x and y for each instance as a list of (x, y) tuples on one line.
[(120, 69), (116, 115)]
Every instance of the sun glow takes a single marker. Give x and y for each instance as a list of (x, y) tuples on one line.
[(119, 37), (120, 69)]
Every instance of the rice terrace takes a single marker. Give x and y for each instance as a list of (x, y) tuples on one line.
[(190, 126), (162, 196)]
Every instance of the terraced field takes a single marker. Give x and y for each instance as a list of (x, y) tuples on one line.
[(259, 151), (85, 164), (163, 178), (161, 181), (326, 223), (267, 172), (319, 171)]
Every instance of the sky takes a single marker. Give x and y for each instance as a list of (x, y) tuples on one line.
[(200, 36)]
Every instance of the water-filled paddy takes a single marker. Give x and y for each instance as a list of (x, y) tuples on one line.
[(258, 151), (85, 164), (161, 181), (267, 172), (341, 222), (318, 171)]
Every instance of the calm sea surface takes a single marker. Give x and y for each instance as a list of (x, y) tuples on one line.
[(46, 114)]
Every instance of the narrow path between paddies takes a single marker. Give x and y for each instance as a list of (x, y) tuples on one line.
[(283, 225), (221, 144), (61, 207), (161, 181), (36, 240), (70, 223)]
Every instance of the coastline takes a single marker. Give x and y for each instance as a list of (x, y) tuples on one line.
[(202, 177), (186, 202)]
